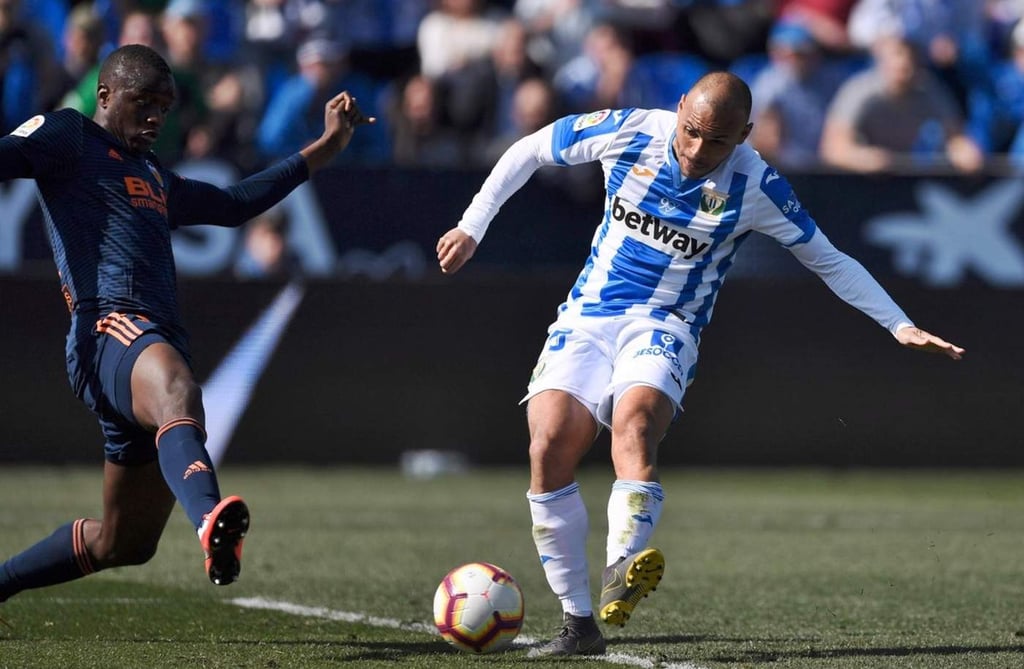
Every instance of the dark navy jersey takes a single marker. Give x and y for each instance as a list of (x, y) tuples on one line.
[(110, 211)]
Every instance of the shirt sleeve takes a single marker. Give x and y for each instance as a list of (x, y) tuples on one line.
[(570, 140), (510, 173), (194, 202), (44, 145), (848, 279)]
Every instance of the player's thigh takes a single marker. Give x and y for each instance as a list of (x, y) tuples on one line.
[(652, 357), (163, 387), (576, 361)]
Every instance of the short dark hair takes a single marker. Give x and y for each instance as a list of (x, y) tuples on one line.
[(131, 65)]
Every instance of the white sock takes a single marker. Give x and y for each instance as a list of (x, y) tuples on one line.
[(560, 533), (633, 511)]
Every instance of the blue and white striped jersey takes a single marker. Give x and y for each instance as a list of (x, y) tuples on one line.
[(666, 242)]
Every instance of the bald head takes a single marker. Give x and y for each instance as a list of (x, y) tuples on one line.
[(725, 92), (133, 65)]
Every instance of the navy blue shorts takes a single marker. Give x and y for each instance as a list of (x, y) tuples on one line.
[(100, 368)]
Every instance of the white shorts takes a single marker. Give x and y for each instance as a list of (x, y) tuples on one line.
[(597, 359)]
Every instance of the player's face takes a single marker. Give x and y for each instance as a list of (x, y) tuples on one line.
[(706, 134), (135, 112)]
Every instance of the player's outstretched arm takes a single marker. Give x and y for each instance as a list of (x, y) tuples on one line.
[(914, 337), (454, 249), (341, 116)]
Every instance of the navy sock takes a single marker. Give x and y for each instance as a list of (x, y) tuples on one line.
[(59, 558), (187, 467)]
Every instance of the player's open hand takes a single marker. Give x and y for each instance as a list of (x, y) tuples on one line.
[(913, 337), (453, 250)]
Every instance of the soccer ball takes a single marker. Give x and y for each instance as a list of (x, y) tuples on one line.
[(478, 608)]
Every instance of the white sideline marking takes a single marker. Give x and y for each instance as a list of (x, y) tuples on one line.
[(392, 623)]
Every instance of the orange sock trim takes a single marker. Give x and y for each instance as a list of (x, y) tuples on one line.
[(176, 422), (79, 548)]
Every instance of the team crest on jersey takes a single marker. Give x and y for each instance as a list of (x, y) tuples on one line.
[(156, 173), (590, 120), (29, 126), (712, 202)]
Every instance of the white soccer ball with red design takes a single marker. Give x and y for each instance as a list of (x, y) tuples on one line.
[(478, 608)]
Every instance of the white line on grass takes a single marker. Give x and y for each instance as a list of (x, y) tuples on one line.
[(392, 623)]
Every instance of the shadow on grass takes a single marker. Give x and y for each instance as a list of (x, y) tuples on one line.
[(764, 657), (767, 656)]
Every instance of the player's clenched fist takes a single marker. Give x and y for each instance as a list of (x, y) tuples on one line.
[(453, 250)]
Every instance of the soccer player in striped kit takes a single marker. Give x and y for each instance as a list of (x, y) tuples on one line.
[(683, 192), (109, 208)]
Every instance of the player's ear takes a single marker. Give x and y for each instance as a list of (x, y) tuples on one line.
[(746, 132), (102, 95)]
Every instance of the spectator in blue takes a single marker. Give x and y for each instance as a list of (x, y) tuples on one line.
[(295, 111), (791, 96), (82, 40), (598, 77), (29, 72), (382, 34), (950, 35), (997, 110)]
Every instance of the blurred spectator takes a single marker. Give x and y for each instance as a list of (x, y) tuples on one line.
[(455, 34), (476, 99), (510, 65), (555, 29), (83, 38), (949, 34), (791, 96), (656, 80), (265, 253), (896, 115), (294, 114), (183, 27), (533, 107), (418, 138), (997, 110), (274, 29), (137, 27), (723, 30), (382, 35), (828, 21), (28, 68), (596, 79)]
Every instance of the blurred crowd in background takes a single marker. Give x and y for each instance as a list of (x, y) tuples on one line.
[(860, 85)]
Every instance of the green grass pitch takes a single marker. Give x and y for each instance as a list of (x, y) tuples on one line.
[(781, 569)]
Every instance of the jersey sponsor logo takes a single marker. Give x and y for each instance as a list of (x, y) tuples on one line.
[(653, 227), (712, 202), (29, 126), (590, 120), (642, 171), (142, 195)]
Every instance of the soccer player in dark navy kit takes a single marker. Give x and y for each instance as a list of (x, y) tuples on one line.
[(110, 207)]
